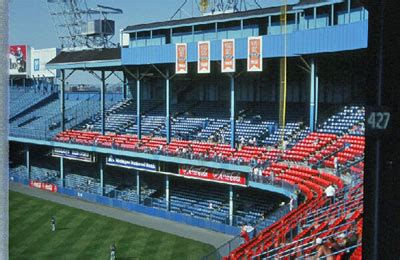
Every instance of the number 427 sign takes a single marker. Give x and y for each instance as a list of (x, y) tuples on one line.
[(377, 121)]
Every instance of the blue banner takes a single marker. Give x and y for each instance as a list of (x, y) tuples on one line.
[(130, 164)]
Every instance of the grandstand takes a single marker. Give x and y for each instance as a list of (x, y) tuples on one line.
[(212, 150)]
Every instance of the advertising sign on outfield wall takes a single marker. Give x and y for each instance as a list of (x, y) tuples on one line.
[(43, 185), (233, 178), (228, 61), (73, 154), (130, 164), (203, 54), (181, 66), (254, 54)]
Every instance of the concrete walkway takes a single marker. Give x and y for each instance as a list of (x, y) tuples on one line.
[(202, 235)]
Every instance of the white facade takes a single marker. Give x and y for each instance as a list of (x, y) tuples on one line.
[(39, 59)]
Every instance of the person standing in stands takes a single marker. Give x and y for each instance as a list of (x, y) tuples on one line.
[(323, 251), (330, 193), (244, 234), (113, 251), (53, 224), (291, 203), (335, 166)]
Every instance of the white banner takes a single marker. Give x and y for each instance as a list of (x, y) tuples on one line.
[(254, 54), (203, 57), (228, 56), (181, 66)]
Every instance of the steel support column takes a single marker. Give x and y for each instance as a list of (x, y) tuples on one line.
[(167, 192), (233, 122), (101, 168), (62, 172), (231, 205), (316, 101), (28, 162), (138, 109), (124, 89), (312, 96), (103, 102), (167, 116), (138, 186), (62, 100)]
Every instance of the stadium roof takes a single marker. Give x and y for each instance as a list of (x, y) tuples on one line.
[(227, 16), (94, 58)]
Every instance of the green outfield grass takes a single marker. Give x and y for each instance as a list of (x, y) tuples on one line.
[(84, 235)]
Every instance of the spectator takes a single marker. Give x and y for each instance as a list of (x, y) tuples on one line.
[(333, 245), (251, 142), (323, 250), (284, 144), (222, 138), (291, 203), (244, 234), (210, 206), (254, 141), (335, 166), (250, 231), (330, 193)]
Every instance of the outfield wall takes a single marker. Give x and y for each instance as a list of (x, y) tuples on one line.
[(180, 218)]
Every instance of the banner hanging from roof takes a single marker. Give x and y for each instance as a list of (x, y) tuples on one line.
[(254, 54), (181, 66), (233, 178), (203, 54), (228, 56)]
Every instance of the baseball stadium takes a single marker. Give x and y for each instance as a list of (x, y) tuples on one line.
[(235, 130)]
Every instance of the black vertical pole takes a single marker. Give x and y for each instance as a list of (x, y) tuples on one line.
[(381, 220)]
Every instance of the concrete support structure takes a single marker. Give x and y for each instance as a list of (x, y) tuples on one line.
[(62, 172), (167, 115), (62, 100), (312, 97), (233, 122), (231, 205), (138, 186), (138, 108), (101, 168), (167, 192), (103, 102)]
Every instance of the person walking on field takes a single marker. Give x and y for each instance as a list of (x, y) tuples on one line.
[(113, 252), (53, 224)]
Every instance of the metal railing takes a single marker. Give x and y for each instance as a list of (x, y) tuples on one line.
[(295, 249), (235, 242)]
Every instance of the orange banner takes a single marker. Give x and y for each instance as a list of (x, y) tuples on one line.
[(228, 56), (181, 59), (203, 60), (254, 54)]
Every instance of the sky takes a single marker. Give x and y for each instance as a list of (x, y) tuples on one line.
[(30, 22)]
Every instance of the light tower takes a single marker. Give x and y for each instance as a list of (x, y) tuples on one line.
[(81, 27)]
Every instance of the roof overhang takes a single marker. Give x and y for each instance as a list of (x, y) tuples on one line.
[(101, 59)]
